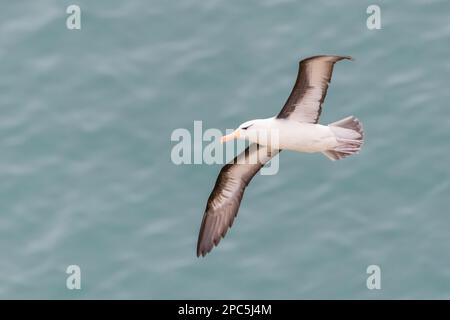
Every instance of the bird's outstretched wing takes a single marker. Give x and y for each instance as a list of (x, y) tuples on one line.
[(223, 203), (305, 101)]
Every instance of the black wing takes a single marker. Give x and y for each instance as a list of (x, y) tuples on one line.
[(305, 101), (223, 203)]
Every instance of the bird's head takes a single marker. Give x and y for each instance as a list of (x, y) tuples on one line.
[(249, 130)]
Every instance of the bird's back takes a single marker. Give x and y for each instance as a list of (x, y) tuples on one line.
[(303, 137)]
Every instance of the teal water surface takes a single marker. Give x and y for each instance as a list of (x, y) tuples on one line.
[(86, 176)]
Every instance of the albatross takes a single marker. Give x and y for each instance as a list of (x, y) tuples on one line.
[(297, 129)]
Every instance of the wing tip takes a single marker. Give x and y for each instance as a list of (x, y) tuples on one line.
[(200, 251), (203, 248), (350, 58), (339, 58), (201, 254), (336, 57), (203, 251)]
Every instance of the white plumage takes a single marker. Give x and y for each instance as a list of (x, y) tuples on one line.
[(344, 136)]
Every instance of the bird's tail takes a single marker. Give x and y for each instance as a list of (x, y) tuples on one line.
[(350, 136)]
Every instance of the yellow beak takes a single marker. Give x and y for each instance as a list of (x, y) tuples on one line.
[(234, 135)]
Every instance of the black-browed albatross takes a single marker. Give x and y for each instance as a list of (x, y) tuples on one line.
[(297, 129)]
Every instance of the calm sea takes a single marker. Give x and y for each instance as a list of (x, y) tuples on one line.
[(86, 176)]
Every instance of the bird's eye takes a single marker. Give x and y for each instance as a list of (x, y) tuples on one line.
[(245, 128)]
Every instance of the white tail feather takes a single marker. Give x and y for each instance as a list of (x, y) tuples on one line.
[(350, 136)]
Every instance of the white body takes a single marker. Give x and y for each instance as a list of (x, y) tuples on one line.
[(336, 140), (291, 135)]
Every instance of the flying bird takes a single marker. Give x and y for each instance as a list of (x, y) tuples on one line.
[(296, 128)]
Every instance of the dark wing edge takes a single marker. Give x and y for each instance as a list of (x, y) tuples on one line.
[(223, 203), (304, 104)]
